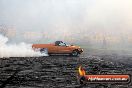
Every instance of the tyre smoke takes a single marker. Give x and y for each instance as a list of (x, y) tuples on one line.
[(17, 50)]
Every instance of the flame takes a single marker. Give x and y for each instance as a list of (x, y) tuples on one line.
[(81, 71)]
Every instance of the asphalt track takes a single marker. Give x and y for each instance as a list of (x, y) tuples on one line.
[(60, 71)]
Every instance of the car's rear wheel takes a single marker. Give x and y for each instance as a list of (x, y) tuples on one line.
[(74, 53), (44, 51)]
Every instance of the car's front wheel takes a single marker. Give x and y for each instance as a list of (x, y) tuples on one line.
[(74, 53)]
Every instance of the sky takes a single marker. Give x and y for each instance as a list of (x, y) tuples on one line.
[(89, 21)]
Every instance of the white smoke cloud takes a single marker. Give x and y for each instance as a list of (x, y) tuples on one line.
[(87, 21), (16, 50)]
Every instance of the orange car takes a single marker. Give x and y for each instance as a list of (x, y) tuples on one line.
[(58, 47)]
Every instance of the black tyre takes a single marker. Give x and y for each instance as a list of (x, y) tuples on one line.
[(74, 53), (44, 50)]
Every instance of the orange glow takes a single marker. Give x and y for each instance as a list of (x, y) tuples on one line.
[(81, 71)]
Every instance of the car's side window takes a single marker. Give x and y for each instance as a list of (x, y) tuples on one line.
[(57, 43), (62, 44)]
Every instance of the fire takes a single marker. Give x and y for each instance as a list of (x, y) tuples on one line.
[(81, 71)]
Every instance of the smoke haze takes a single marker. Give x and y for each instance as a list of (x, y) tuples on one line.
[(87, 22), (16, 50)]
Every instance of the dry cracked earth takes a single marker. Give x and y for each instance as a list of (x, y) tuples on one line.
[(60, 71)]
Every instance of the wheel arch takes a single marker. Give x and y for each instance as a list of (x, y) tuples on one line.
[(75, 50)]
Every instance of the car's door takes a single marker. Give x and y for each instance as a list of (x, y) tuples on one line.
[(63, 48), (53, 49)]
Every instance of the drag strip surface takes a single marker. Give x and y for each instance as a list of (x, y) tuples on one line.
[(58, 71)]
